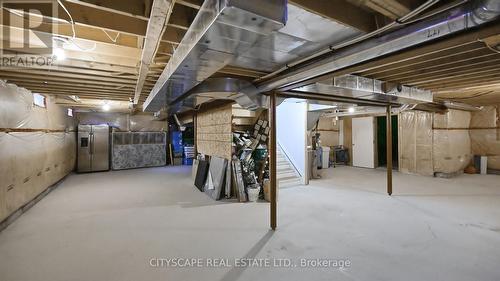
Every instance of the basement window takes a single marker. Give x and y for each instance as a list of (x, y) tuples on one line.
[(39, 100), (70, 112)]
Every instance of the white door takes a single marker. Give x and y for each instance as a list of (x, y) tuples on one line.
[(363, 146)]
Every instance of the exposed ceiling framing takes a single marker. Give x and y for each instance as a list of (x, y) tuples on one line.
[(109, 35), (160, 14), (461, 68), (110, 38)]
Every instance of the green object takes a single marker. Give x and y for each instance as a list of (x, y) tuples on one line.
[(260, 154), (382, 142)]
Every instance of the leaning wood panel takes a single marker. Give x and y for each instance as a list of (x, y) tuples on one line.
[(213, 132)]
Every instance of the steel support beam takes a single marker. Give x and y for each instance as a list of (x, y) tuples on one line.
[(389, 150), (272, 159)]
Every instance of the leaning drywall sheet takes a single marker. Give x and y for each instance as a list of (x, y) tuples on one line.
[(452, 146), (485, 135), (38, 150)]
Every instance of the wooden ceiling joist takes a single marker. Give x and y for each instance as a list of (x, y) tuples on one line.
[(445, 62), (160, 14), (392, 9), (340, 11), (63, 85), (65, 75), (43, 78)]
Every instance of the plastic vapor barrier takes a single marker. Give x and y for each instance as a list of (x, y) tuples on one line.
[(329, 130), (452, 145), (123, 121), (434, 143), (37, 147), (415, 143), (485, 135)]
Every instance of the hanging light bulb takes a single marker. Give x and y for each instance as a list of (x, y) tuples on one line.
[(106, 106), (59, 54)]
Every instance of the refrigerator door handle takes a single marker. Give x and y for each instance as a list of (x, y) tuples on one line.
[(92, 146)]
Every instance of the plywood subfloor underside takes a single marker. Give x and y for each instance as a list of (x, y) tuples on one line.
[(107, 226)]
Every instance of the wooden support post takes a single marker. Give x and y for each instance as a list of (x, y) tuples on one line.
[(389, 150), (272, 159)]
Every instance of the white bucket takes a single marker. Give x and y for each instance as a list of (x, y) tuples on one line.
[(253, 194)]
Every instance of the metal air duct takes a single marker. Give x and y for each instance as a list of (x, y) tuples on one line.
[(368, 89), (241, 91), (221, 31), (461, 18)]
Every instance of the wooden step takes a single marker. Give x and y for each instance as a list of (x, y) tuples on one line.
[(288, 175), (289, 182)]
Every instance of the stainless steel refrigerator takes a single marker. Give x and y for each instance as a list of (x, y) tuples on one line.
[(93, 148)]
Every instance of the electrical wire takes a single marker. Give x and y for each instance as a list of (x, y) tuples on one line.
[(488, 46), (70, 18), (107, 34), (73, 37)]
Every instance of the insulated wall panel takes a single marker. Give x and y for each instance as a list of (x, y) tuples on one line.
[(452, 146), (37, 147), (485, 135), (415, 143), (329, 130)]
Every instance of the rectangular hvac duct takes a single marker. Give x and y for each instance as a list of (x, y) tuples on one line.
[(221, 31), (368, 89), (468, 15)]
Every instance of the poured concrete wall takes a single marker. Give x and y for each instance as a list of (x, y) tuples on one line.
[(37, 147)]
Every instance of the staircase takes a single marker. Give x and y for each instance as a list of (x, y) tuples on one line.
[(286, 174)]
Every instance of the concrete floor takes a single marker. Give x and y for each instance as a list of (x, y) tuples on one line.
[(107, 226)]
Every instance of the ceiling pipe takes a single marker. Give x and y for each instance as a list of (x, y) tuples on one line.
[(463, 17), (461, 106)]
